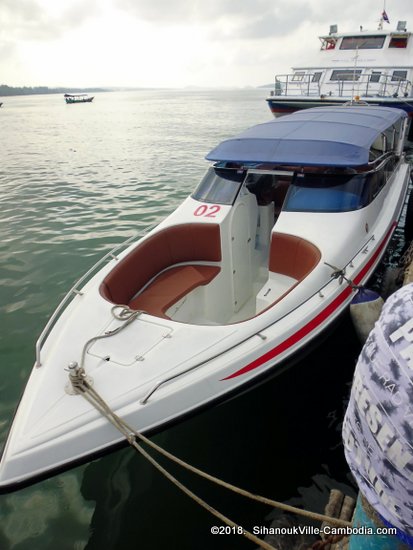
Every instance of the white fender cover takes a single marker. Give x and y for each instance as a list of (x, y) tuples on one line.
[(378, 425)]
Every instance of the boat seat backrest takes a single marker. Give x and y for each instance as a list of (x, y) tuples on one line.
[(173, 245), (170, 286), (292, 256)]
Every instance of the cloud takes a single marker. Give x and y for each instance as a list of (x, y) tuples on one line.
[(166, 11), (367, 13), (227, 19), (202, 42), (255, 19), (260, 19), (36, 20), (18, 9), (275, 22), (194, 11), (17, 15), (8, 50)]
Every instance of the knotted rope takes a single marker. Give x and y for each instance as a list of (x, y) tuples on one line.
[(82, 386)]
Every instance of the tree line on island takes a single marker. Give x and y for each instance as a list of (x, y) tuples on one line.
[(35, 90)]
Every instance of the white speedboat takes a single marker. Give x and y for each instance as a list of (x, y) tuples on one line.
[(375, 67), (254, 265)]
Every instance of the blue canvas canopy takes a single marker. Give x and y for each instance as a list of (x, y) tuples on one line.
[(323, 136)]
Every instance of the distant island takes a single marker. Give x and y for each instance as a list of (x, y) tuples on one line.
[(6, 90), (35, 90)]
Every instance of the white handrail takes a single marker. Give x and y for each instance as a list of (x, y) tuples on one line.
[(386, 86), (74, 291)]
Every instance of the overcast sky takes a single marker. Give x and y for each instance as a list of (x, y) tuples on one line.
[(171, 43)]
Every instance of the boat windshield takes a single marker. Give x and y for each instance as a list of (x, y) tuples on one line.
[(327, 193), (269, 186), (219, 186)]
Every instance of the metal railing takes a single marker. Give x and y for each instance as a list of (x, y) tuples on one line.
[(365, 86), (75, 290), (293, 84)]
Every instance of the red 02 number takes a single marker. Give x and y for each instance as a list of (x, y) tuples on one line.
[(207, 211)]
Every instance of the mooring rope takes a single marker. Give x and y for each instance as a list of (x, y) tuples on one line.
[(81, 385)]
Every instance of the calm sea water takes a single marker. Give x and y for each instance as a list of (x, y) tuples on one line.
[(74, 181)]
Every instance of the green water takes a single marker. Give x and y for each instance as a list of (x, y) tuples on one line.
[(74, 181)]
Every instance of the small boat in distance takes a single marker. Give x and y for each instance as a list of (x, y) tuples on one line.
[(373, 67), (78, 98), (254, 265)]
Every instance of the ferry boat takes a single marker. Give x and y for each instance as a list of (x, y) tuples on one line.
[(291, 216), (372, 67), (78, 98)]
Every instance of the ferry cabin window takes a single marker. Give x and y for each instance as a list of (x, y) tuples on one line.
[(398, 75), (362, 42), (298, 76), (316, 77), (219, 186), (327, 193), (375, 76), (398, 42), (339, 74)]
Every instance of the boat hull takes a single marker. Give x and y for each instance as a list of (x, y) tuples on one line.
[(72, 101), (251, 293), (117, 444), (283, 105), (260, 355)]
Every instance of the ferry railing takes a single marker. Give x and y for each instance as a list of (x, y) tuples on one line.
[(365, 85), (75, 290), (386, 86), (293, 84)]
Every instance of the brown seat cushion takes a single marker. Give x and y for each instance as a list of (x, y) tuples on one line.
[(170, 286), (184, 243)]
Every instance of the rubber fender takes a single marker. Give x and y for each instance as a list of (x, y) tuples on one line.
[(365, 309)]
